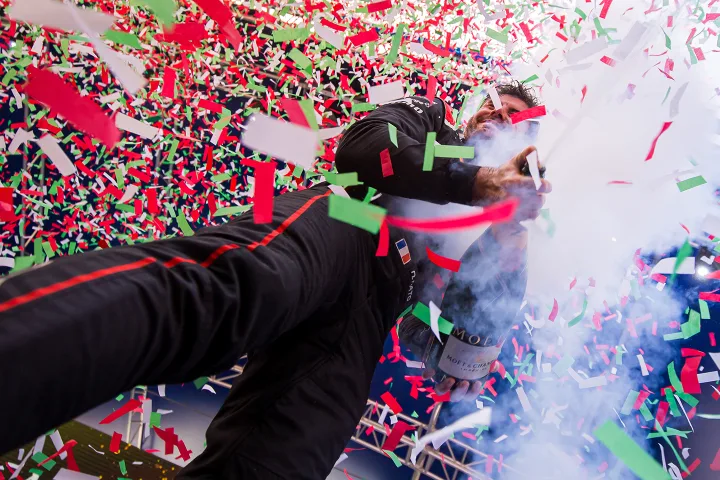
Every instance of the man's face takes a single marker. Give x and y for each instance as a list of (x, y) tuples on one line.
[(488, 121)]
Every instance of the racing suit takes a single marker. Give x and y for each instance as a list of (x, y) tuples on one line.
[(305, 297)]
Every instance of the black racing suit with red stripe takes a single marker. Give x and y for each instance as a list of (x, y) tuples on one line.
[(311, 306)]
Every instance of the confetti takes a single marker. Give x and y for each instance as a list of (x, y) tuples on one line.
[(56, 15), (443, 262), (385, 93), (297, 146), (49, 89), (634, 457), (497, 213)]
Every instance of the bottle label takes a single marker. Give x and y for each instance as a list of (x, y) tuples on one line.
[(467, 362)]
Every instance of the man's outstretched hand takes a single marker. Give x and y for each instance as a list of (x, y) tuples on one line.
[(460, 390), (496, 184)]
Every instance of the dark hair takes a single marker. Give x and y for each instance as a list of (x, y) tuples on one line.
[(518, 90)]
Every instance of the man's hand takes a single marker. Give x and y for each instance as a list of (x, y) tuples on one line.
[(496, 184), (460, 390)]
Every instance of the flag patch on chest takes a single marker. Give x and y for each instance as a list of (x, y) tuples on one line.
[(403, 250)]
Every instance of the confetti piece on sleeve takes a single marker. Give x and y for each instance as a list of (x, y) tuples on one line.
[(429, 151), (52, 149), (362, 215), (527, 114), (496, 213), (633, 456), (129, 124), (693, 182), (53, 14), (453, 151), (443, 262), (386, 163), (386, 92), (392, 130), (264, 189), (283, 140), (50, 90)]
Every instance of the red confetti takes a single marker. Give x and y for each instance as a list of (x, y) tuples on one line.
[(128, 407), (294, 111), (533, 112), (689, 377), (606, 7), (383, 241), (264, 189), (362, 38), (607, 61), (379, 6), (115, 442), (497, 213), (392, 440), (386, 163), (62, 99), (431, 89), (443, 262), (224, 18), (664, 128), (169, 78), (554, 311), (391, 402)]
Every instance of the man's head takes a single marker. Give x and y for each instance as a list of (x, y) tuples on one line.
[(487, 121)]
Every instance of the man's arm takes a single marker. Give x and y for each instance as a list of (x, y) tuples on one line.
[(449, 180)]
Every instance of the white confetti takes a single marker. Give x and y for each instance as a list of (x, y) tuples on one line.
[(51, 148), (283, 140), (386, 92)]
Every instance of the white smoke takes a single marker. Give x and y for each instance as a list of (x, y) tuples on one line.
[(597, 226)]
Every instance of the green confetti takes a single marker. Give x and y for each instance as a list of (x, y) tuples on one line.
[(164, 10), (704, 310), (40, 457), (199, 382), (307, 107), (394, 458), (362, 215), (414, 414), (123, 38), (454, 151), (689, 399), (580, 13), (674, 380), (422, 312), (634, 457), (228, 211), (119, 397), (299, 58), (645, 412), (670, 398), (342, 179), (429, 151), (684, 252), (21, 263), (38, 251), (530, 79), (397, 38), (392, 130), (290, 34), (629, 402), (184, 225), (580, 316), (499, 36), (692, 326), (369, 195), (155, 419), (363, 107), (561, 367), (693, 182), (123, 469)]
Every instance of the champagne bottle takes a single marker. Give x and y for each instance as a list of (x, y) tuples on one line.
[(482, 301)]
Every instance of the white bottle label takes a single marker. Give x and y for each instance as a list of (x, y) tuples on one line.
[(467, 362)]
